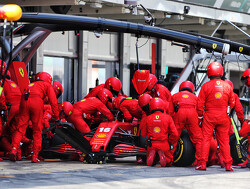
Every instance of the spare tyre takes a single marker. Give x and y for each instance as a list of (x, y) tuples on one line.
[(184, 154), (238, 154)]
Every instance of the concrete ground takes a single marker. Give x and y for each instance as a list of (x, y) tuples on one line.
[(122, 173)]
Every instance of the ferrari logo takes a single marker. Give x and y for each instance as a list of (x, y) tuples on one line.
[(135, 130), (214, 46), (157, 117), (21, 71), (240, 49), (157, 129), (218, 82), (218, 95)]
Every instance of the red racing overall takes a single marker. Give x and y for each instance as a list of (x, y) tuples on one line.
[(130, 109), (163, 93), (160, 127), (187, 117), (88, 106), (32, 109), (214, 98)]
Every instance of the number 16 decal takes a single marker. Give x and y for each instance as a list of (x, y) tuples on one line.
[(105, 130)]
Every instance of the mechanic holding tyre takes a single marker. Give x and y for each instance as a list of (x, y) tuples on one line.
[(213, 101), (185, 116)]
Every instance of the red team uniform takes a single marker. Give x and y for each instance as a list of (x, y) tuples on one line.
[(160, 128), (186, 116), (214, 98)]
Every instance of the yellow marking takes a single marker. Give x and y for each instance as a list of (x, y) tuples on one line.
[(181, 142), (240, 49), (1, 90), (7, 176), (214, 46)]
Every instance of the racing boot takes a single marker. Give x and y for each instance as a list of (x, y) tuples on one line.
[(201, 166), (19, 155), (163, 161), (12, 154), (139, 161), (244, 164), (35, 159), (229, 167), (220, 160), (151, 158), (195, 163)]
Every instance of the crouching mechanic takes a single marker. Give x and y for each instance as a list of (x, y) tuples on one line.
[(31, 108), (161, 132), (129, 107), (90, 106), (213, 101), (185, 115)]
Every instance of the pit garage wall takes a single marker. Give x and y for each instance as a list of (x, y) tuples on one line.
[(117, 51)]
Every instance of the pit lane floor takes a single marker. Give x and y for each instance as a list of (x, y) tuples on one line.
[(122, 173)]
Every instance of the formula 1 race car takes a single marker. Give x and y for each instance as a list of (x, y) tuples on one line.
[(119, 139)]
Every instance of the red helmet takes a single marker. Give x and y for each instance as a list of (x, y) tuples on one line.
[(230, 83), (156, 104), (57, 86), (44, 76), (152, 81), (246, 77), (117, 101), (114, 85), (144, 100), (187, 85), (104, 95), (215, 69), (66, 107)]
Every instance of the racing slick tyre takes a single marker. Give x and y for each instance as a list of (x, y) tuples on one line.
[(238, 154), (184, 154)]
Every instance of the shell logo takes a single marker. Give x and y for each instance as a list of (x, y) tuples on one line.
[(185, 96), (218, 82), (157, 129), (157, 117), (218, 95), (32, 84), (101, 135), (13, 85)]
